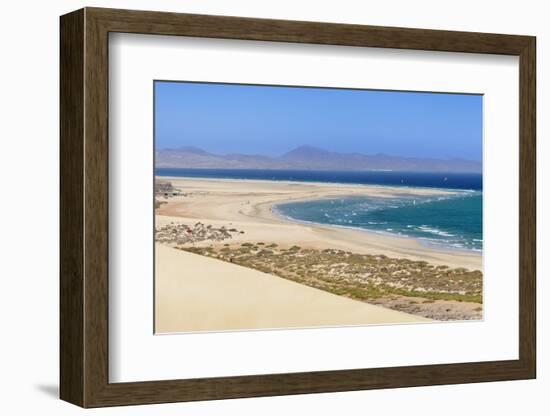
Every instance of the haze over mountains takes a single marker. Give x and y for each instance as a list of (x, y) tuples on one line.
[(309, 158)]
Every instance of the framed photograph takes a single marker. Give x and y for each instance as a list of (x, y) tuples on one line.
[(255, 207)]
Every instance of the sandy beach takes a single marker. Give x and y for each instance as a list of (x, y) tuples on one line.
[(195, 292)]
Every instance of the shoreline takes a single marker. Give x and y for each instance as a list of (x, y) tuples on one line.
[(261, 196), (273, 206)]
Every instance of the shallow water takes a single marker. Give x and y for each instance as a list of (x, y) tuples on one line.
[(453, 221)]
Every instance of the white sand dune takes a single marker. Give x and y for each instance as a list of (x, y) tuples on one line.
[(196, 293)]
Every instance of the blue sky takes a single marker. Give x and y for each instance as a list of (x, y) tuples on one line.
[(271, 120)]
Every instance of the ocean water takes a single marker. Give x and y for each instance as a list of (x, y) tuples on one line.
[(432, 180), (450, 221), (453, 221)]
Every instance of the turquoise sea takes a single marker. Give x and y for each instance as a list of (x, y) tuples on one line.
[(451, 221)]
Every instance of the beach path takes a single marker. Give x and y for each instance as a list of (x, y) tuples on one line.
[(197, 293)]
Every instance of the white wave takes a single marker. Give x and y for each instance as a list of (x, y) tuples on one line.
[(435, 231)]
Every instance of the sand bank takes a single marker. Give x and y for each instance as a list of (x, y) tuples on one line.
[(248, 205)]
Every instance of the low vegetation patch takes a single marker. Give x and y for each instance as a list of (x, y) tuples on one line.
[(364, 277)]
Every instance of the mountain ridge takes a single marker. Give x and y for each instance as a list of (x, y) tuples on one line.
[(307, 157)]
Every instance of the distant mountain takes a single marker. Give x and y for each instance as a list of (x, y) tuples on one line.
[(311, 153), (309, 158)]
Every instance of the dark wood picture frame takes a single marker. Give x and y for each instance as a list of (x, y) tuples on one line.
[(84, 207)]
